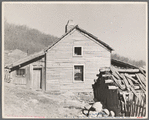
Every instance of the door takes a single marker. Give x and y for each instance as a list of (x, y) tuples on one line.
[(37, 79)]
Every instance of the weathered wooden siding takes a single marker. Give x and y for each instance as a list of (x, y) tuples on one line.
[(19, 80), (60, 62), (28, 78)]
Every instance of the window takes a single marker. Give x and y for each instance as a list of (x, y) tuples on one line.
[(77, 51), (20, 72), (78, 73)]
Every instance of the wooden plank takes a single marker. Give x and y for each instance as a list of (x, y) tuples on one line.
[(104, 69), (144, 114), (127, 75), (137, 103), (133, 108), (108, 81), (114, 73), (126, 82), (142, 85), (112, 87), (140, 108), (142, 78), (122, 87), (128, 70), (136, 87), (128, 79), (142, 71), (143, 109), (132, 75), (106, 75)]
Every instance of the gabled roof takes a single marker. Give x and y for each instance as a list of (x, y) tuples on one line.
[(85, 32)]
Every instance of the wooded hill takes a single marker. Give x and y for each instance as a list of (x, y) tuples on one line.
[(25, 38)]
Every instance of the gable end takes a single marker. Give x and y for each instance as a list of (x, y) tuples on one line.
[(85, 32)]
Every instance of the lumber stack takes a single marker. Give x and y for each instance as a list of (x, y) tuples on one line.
[(130, 80), (131, 86)]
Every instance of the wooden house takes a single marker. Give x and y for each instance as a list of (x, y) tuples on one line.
[(69, 64)]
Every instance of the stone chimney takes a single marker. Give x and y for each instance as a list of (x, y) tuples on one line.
[(70, 24)]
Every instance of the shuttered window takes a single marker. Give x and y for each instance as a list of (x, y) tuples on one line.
[(78, 73)]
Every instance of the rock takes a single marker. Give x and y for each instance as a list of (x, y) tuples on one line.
[(85, 112), (112, 113), (98, 106), (87, 106), (100, 115), (105, 112)]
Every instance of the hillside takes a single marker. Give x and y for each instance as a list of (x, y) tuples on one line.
[(26, 39)]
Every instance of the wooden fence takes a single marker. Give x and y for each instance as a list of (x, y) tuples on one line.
[(133, 108)]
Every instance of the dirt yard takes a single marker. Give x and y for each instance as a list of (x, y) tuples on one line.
[(21, 102)]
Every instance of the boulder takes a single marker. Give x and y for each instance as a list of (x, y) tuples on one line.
[(98, 106), (112, 114)]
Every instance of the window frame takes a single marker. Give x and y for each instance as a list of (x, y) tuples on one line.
[(83, 73), (23, 74), (81, 51)]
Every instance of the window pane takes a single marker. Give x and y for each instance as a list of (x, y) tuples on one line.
[(78, 73), (77, 50), (20, 72)]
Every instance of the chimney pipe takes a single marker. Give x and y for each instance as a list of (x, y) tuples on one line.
[(70, 24)]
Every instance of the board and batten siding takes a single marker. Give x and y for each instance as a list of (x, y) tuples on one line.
[(60, 62)]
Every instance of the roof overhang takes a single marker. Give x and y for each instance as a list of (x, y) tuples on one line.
[(25, 61)]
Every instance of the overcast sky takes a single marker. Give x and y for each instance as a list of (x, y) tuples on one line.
[(121, 25)]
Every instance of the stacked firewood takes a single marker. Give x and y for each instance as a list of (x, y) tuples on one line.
[(130, 85)]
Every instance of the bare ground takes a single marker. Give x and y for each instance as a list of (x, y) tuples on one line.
[(21, 102)]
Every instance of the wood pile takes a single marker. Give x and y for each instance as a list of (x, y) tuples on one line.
[(130, 85)]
